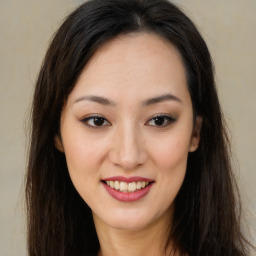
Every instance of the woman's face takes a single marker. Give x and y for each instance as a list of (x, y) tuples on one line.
[(127, 129)]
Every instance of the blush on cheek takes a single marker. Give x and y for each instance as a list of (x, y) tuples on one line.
[(171, 154)]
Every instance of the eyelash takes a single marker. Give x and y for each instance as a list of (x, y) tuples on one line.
[(94, 118), (166, 120)]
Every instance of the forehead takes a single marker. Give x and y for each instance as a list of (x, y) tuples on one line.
[(133, 63)]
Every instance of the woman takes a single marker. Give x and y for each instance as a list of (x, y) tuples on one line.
[(129, 153)]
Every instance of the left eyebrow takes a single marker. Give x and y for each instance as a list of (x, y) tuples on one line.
[(97, 99), (161, 98)]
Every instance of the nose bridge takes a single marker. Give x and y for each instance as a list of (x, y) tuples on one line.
[(129, 150)]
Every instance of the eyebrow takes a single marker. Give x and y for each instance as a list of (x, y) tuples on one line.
[(97, 99), (161, 98), (107, 102)]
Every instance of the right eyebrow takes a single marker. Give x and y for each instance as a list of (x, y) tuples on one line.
[(97, 99), (161, 98)]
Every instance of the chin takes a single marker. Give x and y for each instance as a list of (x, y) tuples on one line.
[(129, 224), (129, 219)]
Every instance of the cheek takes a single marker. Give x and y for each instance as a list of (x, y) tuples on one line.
[(171, 154), (80, 151), (171, 161), (83, 164)]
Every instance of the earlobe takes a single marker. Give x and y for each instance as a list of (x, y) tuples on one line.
[(195, 138), (58, 143)]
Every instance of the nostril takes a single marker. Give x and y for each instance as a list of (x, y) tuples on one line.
[(128, 153)]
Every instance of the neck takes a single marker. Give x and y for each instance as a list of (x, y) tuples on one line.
[(150, 241)]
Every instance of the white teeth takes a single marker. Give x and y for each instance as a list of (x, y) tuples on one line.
[(111, 184), (127, 187), (116, 185), (123, 186), (132, 187), (138, 185)]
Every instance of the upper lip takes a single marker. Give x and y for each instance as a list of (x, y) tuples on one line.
[(128, 179)]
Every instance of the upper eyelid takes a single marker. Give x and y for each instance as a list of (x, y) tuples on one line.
[(89, 117), (151, 117), (93, 116), (162, 115), (167, 116)]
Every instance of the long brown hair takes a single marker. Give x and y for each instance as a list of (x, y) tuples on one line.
[(206, 219)]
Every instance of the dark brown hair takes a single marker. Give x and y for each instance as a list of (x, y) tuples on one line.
[(206, 219)]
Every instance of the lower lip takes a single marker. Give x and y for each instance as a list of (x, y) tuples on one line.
[(127, 196)]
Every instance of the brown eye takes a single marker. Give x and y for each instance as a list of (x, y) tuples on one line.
[(96, 121), (160, 121)]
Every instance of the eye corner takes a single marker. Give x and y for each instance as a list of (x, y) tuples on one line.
[(95, 121), (161, 120)]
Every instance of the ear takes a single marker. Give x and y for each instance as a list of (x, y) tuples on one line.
[(58, 143), (195, 138)]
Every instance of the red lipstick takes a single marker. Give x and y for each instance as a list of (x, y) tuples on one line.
[(128, 196), (128, 179)]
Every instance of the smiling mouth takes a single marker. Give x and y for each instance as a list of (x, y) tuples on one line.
[(126, 187)]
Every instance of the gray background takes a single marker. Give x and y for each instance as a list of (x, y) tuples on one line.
[(26, 27)]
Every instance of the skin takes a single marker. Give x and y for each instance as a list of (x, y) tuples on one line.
[(128, 71)]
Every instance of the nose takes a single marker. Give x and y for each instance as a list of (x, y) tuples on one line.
[(128, 148)]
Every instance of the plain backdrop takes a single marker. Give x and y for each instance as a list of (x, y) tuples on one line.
[(26, 26)]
